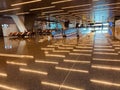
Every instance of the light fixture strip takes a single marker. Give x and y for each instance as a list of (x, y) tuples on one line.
[(107, 4), (41, 16), (62, 1), (76, 6), (22, 3), (22, 13), (53, 11), (80, 10), (34, 9), (6, 10), (59, 14), (106, 9)]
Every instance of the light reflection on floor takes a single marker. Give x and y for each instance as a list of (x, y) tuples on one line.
[(84, 63), (7, 87), (60, 86)]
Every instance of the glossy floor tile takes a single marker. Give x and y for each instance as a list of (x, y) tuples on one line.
[(90, 62)]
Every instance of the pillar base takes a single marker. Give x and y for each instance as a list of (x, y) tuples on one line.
[(77, 35), (52, 35), (64, 35)]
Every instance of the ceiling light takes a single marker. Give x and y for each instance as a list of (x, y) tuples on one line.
[(62, 1), (53, 11), (107, 4), (101, 9), (6, 10), (41, 16), (80, 10), (76, 6), (58, 14), (41, 8), (95, 0), (22, 3), (22, 13)]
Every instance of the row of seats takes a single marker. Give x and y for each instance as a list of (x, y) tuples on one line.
[(22, 34), (44, 32)]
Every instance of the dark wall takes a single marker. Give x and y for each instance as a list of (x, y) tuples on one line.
[(117, 17), (29, 21), (6, 20), (1, 32)]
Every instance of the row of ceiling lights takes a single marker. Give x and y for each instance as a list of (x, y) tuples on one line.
[(62, 1)]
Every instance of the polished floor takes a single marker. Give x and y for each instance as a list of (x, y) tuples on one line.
[(91, 62)]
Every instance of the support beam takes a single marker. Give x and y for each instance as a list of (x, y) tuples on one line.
[(19, 23)]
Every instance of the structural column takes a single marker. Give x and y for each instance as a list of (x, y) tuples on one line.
[(117, 27), (29, 21), (19, 23), (1, 32)]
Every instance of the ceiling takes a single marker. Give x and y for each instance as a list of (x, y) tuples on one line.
[(85, 9)]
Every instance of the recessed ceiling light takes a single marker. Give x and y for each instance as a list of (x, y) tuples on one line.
[(80, 10), (34, 9), (22, 3), (6, 10), (53, 11), (62, 1), (107, 4), (22, 13), (95, 0), (107, 8), (58, 14), (76, 6)]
